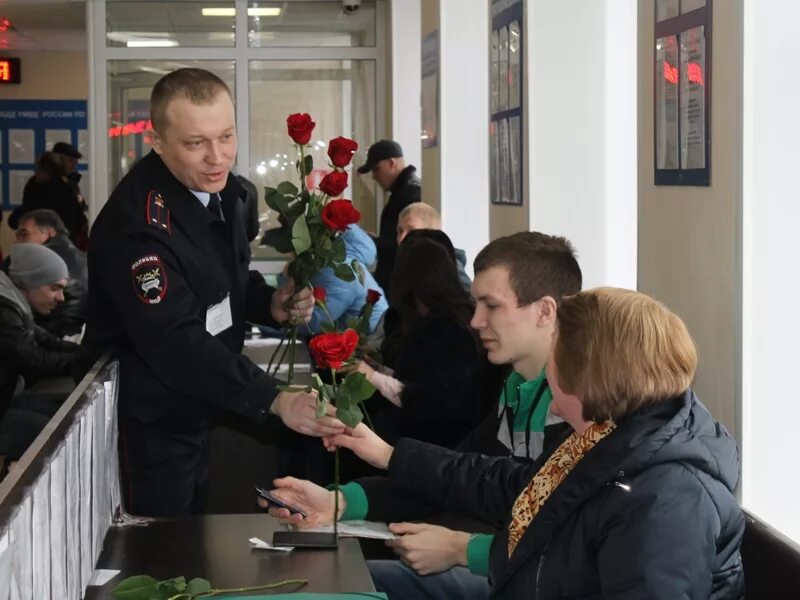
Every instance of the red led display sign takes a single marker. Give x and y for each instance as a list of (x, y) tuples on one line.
[(10, 70)]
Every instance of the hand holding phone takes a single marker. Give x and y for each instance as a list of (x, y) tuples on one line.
[(272, 499)]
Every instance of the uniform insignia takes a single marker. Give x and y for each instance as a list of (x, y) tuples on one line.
[(149, 279), (158, 215)]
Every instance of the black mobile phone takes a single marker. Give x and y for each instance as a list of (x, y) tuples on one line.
[(304, 539), (266, 495)]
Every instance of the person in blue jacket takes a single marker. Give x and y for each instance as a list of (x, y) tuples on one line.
[(345, 299)]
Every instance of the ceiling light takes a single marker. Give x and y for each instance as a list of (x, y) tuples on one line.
[(264, 12), (152, 43), (147, 69), (252, 12), (219, 12)]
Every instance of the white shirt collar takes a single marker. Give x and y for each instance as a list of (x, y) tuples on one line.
[(204, 197)]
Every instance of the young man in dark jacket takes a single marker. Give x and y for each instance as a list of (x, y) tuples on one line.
[(518, 283), (43, 226), (385, 162), (35, 284)]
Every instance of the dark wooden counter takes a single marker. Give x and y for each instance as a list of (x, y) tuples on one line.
[(215, 547)]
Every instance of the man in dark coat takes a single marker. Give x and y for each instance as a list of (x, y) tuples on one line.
[(34, 285), (171, 294), (385, 162), (50, 187), (44, 226)]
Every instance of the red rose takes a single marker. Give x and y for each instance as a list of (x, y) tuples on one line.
[(333, 183), (300, 127), (330, 350), (338, 214), (373, 296), (320, 294), (340, 151)]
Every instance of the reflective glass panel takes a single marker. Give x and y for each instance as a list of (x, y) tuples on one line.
[(309, 24), (340, 97), (148, 24)]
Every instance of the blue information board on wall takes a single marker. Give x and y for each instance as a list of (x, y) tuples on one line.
[(30, 127)]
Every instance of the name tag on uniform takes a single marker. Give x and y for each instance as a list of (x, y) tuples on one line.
[(218, 317)]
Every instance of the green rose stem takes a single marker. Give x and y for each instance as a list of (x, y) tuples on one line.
[(366, 415), (255, 588), (302, 168), (335, 466), (292, 347), (325, 310), (277, 354), (292, 330)]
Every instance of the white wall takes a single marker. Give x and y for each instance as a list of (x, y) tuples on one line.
[(463, 123), (770, 257), (406, 59), (582, 71)]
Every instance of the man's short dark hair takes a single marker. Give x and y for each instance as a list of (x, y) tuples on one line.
[(44, 219), (196, 85), (538, 264)]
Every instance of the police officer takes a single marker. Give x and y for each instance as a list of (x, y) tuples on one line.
[(170, 295)]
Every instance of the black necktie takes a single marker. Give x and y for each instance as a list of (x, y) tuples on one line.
[(215, 207)]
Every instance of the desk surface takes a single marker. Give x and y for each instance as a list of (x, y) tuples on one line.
[(215, 547)]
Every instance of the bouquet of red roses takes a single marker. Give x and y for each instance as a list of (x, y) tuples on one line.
[(313, 220)]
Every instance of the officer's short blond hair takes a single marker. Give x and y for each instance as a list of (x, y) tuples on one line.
[(196, 85)]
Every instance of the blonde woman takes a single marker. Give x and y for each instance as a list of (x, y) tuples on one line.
[(637, 501)]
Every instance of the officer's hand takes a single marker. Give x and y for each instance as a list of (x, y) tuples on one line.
[(292, 306), (298, 411)]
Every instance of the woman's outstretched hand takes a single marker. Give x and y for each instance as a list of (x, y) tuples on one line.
[(365, 443)]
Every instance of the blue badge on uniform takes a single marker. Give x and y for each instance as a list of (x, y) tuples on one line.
[(157, 212), (149, 279)]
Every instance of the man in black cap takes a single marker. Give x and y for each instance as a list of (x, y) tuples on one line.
[(72, 156), (69, 151), (70, 164), (385, 161)]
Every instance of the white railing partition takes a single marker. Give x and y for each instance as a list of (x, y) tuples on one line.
[(58, 501)]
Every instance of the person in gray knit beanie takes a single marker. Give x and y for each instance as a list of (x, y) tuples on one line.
[(33, 265), (40, 274), (34, 283)]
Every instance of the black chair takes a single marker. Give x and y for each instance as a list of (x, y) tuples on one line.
[(771, 562)]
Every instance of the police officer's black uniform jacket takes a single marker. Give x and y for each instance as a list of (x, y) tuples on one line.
[(158, 259)]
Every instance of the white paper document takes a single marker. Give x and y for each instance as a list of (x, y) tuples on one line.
[(262, 342), (218, 317), (259, 544), (362, 529), (100, 577)]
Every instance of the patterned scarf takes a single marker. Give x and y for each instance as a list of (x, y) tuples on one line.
[(550, 476)]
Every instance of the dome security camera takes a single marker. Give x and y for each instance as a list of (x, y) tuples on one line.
[(350, 6)]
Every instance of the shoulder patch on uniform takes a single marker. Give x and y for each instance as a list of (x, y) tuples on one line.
[(158, 215), (149, 279)]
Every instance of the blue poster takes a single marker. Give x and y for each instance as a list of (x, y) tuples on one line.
[(30, 127)]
